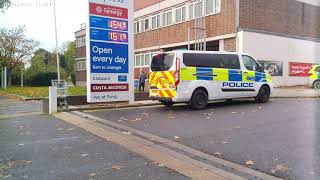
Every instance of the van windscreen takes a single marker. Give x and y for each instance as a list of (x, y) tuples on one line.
[(162, 62)]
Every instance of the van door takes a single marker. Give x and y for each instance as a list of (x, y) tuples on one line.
[(251, 74), (162, 76), (229, 76)]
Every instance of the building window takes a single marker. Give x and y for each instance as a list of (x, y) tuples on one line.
[(198, 10), (158, 21), (136, 27), (212, 6), (178, 15), (181, 14), (167, 18), (80, 65), (191, 11), (142, 25), (137, 60), (146, 24), (155, 22), (147, 59), (184, 14), (142, 59), (81, 41)]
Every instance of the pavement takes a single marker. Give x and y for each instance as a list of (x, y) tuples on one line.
[(44, 147), (279, 138), (237, 140)]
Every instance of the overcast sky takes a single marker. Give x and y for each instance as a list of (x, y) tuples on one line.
[(37, 16)]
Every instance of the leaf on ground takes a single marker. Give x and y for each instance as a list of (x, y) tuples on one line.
[(282, 168), (92, 174), (127, 132), (29, 162), (249, 163), (160, 165), (116, 167), (84, 155), (273, 171), (217, 154)]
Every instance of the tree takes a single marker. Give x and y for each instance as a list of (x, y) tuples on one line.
[(4, 4), (69, 56), (15, 48)]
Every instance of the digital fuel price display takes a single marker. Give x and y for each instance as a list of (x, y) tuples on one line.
[(118, 25), (108, 35), (118, 36), (108, 23)]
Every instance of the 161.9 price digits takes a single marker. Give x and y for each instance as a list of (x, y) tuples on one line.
[(118, 36)]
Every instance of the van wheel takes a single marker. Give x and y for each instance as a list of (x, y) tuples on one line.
[(316, 84), (199, 99), (263, 95), (167, 103)]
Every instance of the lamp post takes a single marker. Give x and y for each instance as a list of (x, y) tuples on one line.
[(56, 36)]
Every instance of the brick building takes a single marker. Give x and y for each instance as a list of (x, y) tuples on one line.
[(284, 35)]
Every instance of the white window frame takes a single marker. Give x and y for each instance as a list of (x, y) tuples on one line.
[(142, 60), (136, 27), (165, 14), (181, 14), (216, 9), (157, 17)]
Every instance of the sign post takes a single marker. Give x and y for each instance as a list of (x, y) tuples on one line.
[(110, 51)]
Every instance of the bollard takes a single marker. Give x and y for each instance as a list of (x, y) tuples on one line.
[(53, 108)]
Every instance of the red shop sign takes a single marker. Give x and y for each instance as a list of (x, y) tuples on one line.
[(299, 69)]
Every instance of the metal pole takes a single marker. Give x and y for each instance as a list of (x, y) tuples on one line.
[(189, 38), (56, 36), (5, 78), (21, 77), (2, 79)]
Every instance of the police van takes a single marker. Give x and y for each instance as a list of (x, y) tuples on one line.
[(314, 77), (196, 77)]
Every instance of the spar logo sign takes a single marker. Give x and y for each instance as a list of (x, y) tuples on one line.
[(108, 52)]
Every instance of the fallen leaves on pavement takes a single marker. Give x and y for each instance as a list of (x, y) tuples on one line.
[(217, 154), (250, 163), (84, 155), (116, 167), (282, 168), (127, 132)]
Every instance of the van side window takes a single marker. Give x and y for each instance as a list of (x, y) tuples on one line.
[(251, 64), (211, 60), (231, 61)]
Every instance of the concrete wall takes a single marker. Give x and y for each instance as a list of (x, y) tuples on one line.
[(276, 48)]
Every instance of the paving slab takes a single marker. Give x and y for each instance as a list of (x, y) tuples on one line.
[(43, 147)]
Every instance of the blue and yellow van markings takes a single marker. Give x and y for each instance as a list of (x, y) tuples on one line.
[(220, 74)]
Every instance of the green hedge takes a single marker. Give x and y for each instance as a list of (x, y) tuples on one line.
[(41, 79)]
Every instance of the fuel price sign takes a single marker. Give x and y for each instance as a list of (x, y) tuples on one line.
[(108, 51)]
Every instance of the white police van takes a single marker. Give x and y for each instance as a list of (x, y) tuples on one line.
[(196, 77)]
